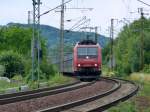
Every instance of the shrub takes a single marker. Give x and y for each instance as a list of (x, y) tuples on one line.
[(28, 66), (48, 69), (13, 63), (29, 77), (146, 68), (2, 70)]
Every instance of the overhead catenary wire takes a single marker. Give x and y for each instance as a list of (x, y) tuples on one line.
[(144, 3), (54, 8), (88, 20), (78, 22)]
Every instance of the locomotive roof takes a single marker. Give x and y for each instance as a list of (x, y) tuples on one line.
[(87, 42)]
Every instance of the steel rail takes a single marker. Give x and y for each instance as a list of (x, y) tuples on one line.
[(68, 106), (115, 102), (83, 101), (41, 94), (2, 96)]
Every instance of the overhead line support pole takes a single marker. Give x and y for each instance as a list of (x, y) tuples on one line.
[(62, 38), (111, 44), (29, 17), (35, 38), (142, 41), (96, 35), (38, 39)]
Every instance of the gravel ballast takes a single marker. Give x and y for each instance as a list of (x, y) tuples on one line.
[(58, 99)]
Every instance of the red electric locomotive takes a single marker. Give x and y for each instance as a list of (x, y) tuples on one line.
[(87, 60)]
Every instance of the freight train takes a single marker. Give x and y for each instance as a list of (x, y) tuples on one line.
[(87, 60)]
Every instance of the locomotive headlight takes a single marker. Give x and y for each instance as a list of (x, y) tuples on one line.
[(79, 65), (95, 65)]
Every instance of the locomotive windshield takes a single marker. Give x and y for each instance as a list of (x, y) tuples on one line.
[(89, 51)]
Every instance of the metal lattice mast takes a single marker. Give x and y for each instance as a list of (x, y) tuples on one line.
[(35, 38), (62, 38)]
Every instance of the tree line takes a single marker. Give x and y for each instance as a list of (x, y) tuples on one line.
[(15, 53), (127, 48)]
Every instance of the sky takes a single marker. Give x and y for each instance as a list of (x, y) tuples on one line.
[(103, 11)]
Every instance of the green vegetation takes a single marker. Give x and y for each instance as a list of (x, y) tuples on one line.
[(51, 34), (127, 48), (15, 60), (16, 38), (4, 85), (15, 50), (59, 79), (2, 70), (13, 63), (141, 102), (127, 106), (127, 58), (56, 80)]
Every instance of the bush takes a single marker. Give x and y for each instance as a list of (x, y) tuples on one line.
[(2, 70), (59, 78), (146, 68), (29, 77), (13, 63), (48, 69), (28, 66)]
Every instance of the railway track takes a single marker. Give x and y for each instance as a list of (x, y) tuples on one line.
[(81, 97), (60, 98), (126, 90), (100, 102), (20, 96), (69, 107)]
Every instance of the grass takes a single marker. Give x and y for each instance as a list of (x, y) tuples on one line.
[(5, 85), (127, 106), (142, 77), (56, 80), (59, 79), (107, 71), (16, 82), (140, 102)]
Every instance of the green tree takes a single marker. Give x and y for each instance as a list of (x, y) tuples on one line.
[(13, 63), (127, 47), (17, 39)]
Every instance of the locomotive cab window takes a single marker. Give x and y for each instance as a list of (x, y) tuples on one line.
[(82, 51), (92, 51), (89, 51)]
